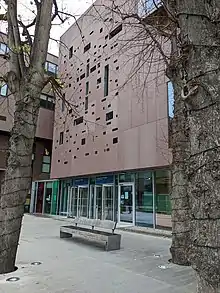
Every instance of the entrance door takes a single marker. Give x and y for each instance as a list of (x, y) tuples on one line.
[(107, 202), (82, 201), (72, 202), (126, 203)]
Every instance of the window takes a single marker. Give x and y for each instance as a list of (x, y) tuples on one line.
[(82, 76), (51, 68), (71, 52), (86, 103), (46, 164), (99, 80), (63, 103), (109, 115), (87, 47), (106, 80), (117, 30), (170, 93), (4, 90), (93, 69), (3, 48), (115, 140), (78, 120), (87, 88), (101, 30), (47, 102), (83, 141), (87, 70), (148, 6), (61, 138)]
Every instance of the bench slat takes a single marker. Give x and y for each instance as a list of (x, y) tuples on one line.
[(105, 224)]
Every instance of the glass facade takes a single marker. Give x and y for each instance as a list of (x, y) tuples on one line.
[(139, 198), (44, 197)]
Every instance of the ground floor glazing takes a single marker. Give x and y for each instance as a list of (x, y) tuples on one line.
[(140, 198)]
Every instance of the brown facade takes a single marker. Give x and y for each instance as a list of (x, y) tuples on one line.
[(118, 127)]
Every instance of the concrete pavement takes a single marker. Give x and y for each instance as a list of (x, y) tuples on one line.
[(141, 266)]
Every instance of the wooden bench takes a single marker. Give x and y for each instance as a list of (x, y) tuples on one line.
[(93, 230)]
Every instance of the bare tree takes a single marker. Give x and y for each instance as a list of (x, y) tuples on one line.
[(185, 34), (26, 79)]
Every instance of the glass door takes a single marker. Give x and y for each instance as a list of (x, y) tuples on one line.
[(82, 201), (126, 204), (72, 202), (98, 202), (107, 202)]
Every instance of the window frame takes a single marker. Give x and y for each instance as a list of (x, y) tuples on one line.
[(46, 164)]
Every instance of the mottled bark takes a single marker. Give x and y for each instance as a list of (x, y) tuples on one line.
[(179, 195), (200, 38), (26, 84)]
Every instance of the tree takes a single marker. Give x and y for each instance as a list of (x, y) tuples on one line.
[(192, 31), (26, 79)]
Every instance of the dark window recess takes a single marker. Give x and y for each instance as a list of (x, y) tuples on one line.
[(58, 161), (78, 121), (47, 102), (115, 60), (103, 108), (108, 123), (93, 69), (86, 112), (98, 71), (117, 93), (70, 151), (104, 46), (97, 119), (109, 106), (70, 111), (103, 100), (97, 87), (116, 44), (83, 131), (106, 37), (61, 138), (87, 88), (109, 115), (91, 33), (82, 76), (65, 163), (96, 152), (92, 105), (2, 118), (83, 141), (116, 80), (115, 140), (95, 60), (74, 142), (98, 65), (106, 80), (117, 30), (74, 157), (87, 70), (104, 133), (93, 113), (95, 53), (70, 85), (94, 46), (101, 30), (115, 129), (86, 103), (77, 79), (88, 60), (108, 149), (117, 68), (99, 80), (87, 154), (67, 130), (71, 52), (87, 47)]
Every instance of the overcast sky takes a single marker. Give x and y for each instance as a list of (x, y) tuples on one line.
[(75, 7)]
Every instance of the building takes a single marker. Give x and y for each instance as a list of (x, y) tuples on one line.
[(44, 134), (110, 145)]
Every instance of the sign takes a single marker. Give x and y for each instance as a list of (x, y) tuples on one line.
[(105, 180), (81, 181)]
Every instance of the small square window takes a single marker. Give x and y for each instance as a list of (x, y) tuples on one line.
[(71, 52), (83, 141), (61, 138), (109, 115)]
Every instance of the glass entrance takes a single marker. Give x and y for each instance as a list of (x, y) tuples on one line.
[(126, 206), (107, 202), (72, 202), (82, 201)]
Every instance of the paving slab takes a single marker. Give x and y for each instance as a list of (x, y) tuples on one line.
[(141, 266)]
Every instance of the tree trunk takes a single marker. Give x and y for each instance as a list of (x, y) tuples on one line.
[(200, 37), (17, 180), (179, 197)]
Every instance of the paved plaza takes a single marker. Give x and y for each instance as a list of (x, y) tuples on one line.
[(67, 266)]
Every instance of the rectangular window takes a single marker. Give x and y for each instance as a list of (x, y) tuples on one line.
[(3, 48), (109, 115), (47, 102), (117, 30), (87, 88), (71, 52), (93, 69), (82, 76), (86, 103), (170, 94), (106, 80), (61, 138), (83, 141), (87, 70), (87, 47), (78, 121), (63, 103), (4, 90), (51, 68), (46, 164)]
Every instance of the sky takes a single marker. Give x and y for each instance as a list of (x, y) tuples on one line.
[(75, 7)]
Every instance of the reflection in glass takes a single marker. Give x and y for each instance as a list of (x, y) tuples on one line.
[(126, 205), (48, 197), (108, 202)]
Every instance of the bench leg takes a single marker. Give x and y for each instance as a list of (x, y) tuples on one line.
[(113, 243), (65, 235)]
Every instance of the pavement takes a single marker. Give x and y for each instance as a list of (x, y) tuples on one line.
[(70, 266)]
